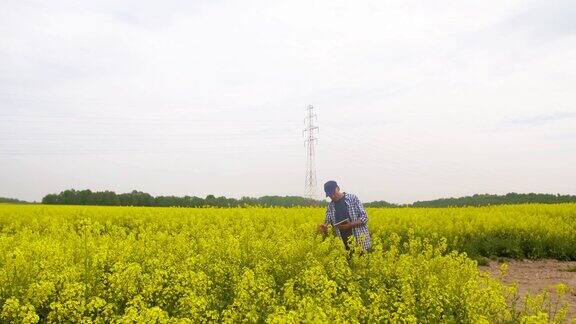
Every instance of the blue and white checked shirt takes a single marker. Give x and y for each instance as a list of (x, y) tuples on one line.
[(356, 211)]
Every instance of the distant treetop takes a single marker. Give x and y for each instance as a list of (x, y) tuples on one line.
[(4, 200), (139, 198)]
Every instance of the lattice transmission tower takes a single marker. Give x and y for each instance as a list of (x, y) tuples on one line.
[(310, 142)]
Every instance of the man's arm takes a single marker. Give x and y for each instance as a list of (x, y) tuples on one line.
[(323, 228), (362, 211), (329, 216)]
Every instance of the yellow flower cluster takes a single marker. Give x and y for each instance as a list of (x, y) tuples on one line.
[(178, 265)]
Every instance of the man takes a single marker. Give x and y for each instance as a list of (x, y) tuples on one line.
[(346, 213)]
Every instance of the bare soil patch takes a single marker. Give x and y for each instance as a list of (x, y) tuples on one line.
[(534, 276)]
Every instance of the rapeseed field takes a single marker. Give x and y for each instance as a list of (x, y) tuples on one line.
[(178, 265)]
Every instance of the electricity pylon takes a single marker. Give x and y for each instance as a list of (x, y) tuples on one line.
[(310, 142)]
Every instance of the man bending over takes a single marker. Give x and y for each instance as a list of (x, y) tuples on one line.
[(346, 213)]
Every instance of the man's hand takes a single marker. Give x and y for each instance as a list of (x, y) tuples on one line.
[(322, 229)]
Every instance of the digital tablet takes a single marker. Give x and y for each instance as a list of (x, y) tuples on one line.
[(341, 221)]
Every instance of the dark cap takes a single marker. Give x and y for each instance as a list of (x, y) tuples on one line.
[(330, 187)]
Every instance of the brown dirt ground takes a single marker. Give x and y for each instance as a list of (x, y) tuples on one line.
[(534, 276)]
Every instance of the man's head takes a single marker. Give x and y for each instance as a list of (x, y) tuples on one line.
[(332, 190)]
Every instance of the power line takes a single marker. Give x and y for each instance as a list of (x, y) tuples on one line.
[(310, 142)]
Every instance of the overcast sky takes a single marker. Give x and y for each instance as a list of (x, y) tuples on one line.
[(415, 99)]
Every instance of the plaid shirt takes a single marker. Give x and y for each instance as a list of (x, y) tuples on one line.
[(356, 211)]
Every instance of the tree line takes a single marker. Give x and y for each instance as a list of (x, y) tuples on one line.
[(4, 200), (139, 198), (507, 199), (479, 200)]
